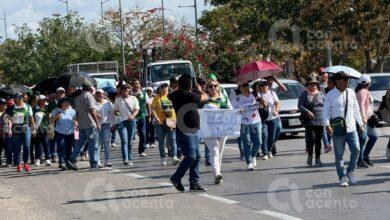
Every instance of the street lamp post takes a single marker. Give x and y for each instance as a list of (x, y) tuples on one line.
[(67, 5), (5, 24), (102, 2), (122, 39), (195, 6)]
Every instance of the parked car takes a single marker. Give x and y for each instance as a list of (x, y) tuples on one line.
[(289, 112), (229, 88)]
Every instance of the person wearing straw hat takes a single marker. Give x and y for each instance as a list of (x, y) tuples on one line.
[(311, 103), (340, 115)]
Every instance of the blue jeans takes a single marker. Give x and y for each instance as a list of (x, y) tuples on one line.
[(362, 143), (271, 135), (369, 137), (20, 139), (150, 133), (126, 131), (39, 142), (65, 143), (105, 140), (141, 127), (278, 129), (326, 139), (239, 142), (52, 147), (207, 154), (251, 138), (189, 144), (8, 149), (339, 147), (264, 139), (90, 136), (170, 135)]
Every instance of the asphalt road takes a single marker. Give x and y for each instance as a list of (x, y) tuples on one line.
[(281, 188)]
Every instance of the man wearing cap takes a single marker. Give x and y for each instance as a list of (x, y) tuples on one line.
[(5, 133), (143, 115), (40, 140), (22, 128), (340, 115), (60, 93), (88, 127)]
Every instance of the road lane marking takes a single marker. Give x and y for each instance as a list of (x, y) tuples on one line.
[(278, 215), (232, 148), (384, 166), (137, 176), (219, 199), (165, 184)]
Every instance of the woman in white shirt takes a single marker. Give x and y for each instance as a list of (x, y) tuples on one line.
[(271, 123), (250, 124), (216, 144), (126, 108), (104, 110)]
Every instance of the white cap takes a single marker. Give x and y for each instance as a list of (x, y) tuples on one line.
[(60, 89), (364, 78), (41, 97), (100, 91)]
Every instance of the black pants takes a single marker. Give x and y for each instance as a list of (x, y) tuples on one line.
[(38, 143), (150, 134), (314, 138), (2, 145)]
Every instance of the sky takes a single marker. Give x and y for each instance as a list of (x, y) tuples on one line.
[(31, 12)]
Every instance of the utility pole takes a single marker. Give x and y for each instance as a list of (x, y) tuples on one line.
[(163, 16), (5, 24), (67, 5), (195, 6), (122, 40), (102, 2)]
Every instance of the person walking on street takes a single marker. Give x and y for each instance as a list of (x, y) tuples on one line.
[(164, 114), (250, 124), (64, 117), (89, 127), (216, 145), (369, 137), (340, 115), (150, 128), (22, 128), (41, 141), (143, 115), (126, 108), (185, 102), (104, 109), (311, 104), (5, 133)]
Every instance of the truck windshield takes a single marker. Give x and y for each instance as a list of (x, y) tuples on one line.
[(166, 71)]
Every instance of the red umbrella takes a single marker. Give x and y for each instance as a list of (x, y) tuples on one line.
[(257, 69)]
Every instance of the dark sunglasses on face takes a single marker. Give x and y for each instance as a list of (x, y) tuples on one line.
[(213, 86)]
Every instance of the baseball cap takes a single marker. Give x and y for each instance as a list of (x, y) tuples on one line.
[(41, 97), (364, 78), (19, 95), (60, 89)]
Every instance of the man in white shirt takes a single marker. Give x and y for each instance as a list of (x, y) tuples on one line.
[(337, 101)]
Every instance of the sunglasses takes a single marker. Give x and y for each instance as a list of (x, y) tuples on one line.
[(213, 86)]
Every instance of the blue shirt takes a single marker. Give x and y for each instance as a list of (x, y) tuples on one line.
[(65, 124)]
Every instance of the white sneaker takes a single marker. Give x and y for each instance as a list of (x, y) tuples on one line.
[(152, 146), (265, 157), (351, 178), (250, 167), (37, 162), (270, 155), (113, 145), (175, 161), (130, 163), (344, 182), (163, 162), (165, 150), (388, 153), (143, 154), (254, 162), (48, 163)]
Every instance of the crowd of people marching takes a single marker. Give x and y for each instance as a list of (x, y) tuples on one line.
[(73, 125)]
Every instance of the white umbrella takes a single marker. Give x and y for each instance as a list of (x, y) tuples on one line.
[(347, 70)]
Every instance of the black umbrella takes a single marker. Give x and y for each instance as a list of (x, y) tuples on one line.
[(46, 86), (10, 91), (67, 80)]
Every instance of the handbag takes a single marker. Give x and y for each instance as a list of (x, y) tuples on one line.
[(385, 115), (338, 124)]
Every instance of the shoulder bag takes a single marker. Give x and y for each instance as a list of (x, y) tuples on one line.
[(338, 124)]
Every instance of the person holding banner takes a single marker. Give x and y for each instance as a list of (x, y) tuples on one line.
[(250, 124), (216, 144)]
